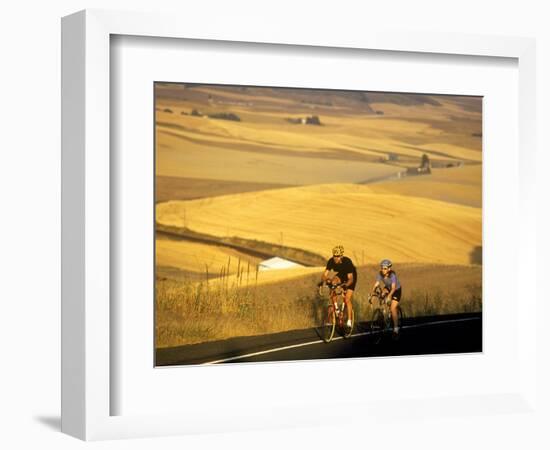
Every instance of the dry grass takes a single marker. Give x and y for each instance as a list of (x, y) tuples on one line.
[(189, 312), (265, 277), (430, 289), (314, 217)]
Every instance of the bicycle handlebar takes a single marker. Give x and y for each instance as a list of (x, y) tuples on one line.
[(335, 286), (382, 298), (331, 286)]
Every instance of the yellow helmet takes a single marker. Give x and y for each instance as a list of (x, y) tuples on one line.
[(338, 250)]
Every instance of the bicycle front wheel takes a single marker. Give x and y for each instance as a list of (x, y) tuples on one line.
[(377, 325), (329, 324), (348, 330), (399, 317)]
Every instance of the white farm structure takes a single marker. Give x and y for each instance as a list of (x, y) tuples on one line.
[(277, 263)]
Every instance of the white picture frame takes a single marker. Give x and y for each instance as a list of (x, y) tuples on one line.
[(86, 217)]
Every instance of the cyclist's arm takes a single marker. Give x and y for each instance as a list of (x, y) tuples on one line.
[(376, 284), (392, 290), (349, 282), (324, 278)]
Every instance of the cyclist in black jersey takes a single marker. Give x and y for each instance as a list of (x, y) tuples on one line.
[(346, 273)]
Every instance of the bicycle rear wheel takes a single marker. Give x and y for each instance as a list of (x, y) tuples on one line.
[(377, 325), (329, 324)]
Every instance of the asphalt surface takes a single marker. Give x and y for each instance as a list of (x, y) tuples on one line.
[(457, 333)]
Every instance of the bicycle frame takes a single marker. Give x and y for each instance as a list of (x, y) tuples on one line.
[(384, 305), (381, 306), (337, 297), (336, 302)]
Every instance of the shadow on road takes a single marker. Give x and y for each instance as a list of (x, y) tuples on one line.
[(453, 333)]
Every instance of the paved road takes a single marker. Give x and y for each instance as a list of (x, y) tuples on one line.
[(459, 333)]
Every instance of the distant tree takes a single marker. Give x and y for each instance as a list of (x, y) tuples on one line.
[(313, 120), (425, 162), (425, 166), (294, 120), (226, 116)]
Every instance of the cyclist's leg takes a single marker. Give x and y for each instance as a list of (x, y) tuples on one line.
[(394, 308), (394, 314), (349, 306), (331, 306), (333, 299)]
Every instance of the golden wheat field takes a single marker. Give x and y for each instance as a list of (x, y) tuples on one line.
[(413, 229), (460, 185), (200, 258), (248, 173)]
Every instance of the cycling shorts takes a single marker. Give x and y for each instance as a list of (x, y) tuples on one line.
[(397, 295), (352, 286)]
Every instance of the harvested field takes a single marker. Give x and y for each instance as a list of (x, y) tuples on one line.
[(179, 188), (263, 147), (221, 163), (460, 185)]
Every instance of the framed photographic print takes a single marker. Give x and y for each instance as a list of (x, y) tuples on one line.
[(255, 185), (248, 213)]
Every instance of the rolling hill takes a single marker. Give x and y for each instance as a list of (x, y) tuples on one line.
[(370, 225), (264, 145), (462, 185)]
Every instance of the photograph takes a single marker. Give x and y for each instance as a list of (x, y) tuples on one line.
[(298, 224)]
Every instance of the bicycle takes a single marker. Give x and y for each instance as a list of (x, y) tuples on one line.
[(381, 323), (335, 314)]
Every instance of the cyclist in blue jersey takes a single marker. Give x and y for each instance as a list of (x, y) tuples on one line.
[(388, 281)]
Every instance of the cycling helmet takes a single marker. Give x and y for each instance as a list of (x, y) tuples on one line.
[(338, 250), (386, 263)]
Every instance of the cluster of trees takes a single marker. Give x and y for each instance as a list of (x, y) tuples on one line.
[(309, 120), (225, 116), (222, 115)]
